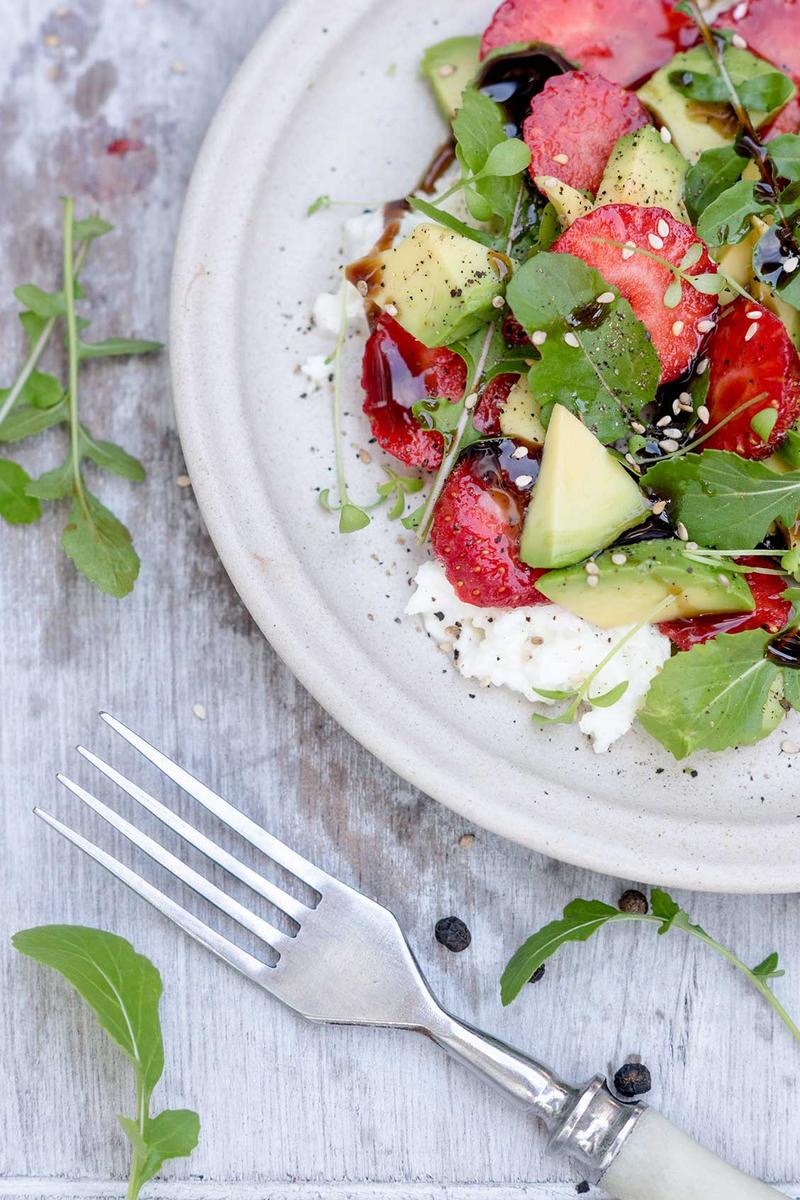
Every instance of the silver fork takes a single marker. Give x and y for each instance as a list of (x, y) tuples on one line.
[(348, 962)]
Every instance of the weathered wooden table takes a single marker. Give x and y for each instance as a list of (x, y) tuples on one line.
[(288, 1110)]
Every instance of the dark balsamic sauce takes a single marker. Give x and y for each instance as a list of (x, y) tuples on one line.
[(773, 250), (589, 316), (512, 80), (655, 529), (784, 649), (494, 463)]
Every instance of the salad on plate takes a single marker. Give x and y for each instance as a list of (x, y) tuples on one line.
[(581, 352)]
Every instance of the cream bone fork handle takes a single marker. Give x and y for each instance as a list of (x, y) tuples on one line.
[(348, 962)]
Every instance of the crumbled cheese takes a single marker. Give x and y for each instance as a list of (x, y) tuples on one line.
[(316, 369), (540, 647), (327, 309)]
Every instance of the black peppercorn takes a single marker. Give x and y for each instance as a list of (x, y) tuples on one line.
[(582, 1188), (537, 974), (452, 933), (633, 902), (633, 1079)]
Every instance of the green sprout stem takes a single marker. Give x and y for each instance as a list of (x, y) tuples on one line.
[(73, 354), (690, 446)]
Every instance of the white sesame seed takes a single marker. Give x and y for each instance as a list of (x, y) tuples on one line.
[(391, 310), (673, 433), (791, 264), (471, 401), (789, 747), (591, 568), (740, 11), (592, 580), (662, 422), (630, 459), (572, 340), (668, 445), (666, 136), (682, 531), (739, 42), (606, 298), (658, 507), (663, 228), (446, 70), (520, 452), (628, 250), (755, 314), (499, 302), (751, 333), (199, 711), (677, 407), (724, 580), (363, 287), (692, 546), (561, 158), (638, 427), (183, 481), (685, 401), (705, 326), (655, 241), (539, 337), (702, 367), (619, 559), (678, 328), (523, 481), (703, 414)]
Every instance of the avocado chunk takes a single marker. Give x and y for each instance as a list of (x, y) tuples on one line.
[(627, 592), (568, 202), (520, 417), (448, 67), (440, 285), (695, 125), (645, 170), (583, 499)]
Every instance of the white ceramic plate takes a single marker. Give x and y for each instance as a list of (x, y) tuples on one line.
[(329, 101)]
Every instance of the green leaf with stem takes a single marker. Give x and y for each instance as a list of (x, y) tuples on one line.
[(714, 172), (117, 347), (17, 506), (447, 219), (582, 919)]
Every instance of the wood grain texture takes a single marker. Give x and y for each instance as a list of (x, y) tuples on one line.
[(289, 1110)]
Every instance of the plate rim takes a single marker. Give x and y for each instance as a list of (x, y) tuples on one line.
[(197, 237)]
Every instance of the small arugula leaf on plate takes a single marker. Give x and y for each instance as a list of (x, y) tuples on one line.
[(726, 220), (714, 696), (726, 501), (447, 219), (443, 416), (318, 205), (17, 506), (714, 172), (100, 546), (605, 375), (479, 128), (610, 698)]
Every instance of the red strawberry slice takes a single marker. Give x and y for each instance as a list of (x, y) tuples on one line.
[(770, 28), (787, 120), (771, 611), (397, 372), (623, 41), (641, 279), (573, 125), (486, 417), (513, 333), (477, 526), (746, 364)]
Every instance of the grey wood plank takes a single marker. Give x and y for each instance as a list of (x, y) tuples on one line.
[(343, 1112)]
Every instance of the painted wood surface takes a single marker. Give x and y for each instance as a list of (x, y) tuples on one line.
[(290, 1111)]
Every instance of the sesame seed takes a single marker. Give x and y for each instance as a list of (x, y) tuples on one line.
[(678, 328), (499, 302), (703, 414), (199, 711), (591, 568), (466, 840), (724, 580), (628, 250), (539, 337), (663, 228), (446, 70), (391, 310), (705, 326), (739, 42), (740, 11), (592, 580), (665, 134), (606, 298), (183, 481), (755, 314), (751, 333), (571, 339), (520, 452), (658, 507), (789, 747), (682, 531), (662, 422), (791, 264), (702, 367), (471, 401), (637, 427), (668, 445), (619, 559), (676, 407), (630, 459), (673, 433), (685, 401), (655, 241), (523, 481), (561, 158)]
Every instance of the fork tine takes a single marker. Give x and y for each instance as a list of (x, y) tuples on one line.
[(263, 887), (230, 953), (209, 891), (231, 816)]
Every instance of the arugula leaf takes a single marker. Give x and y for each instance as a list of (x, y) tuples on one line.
[(53, 485), (768, 969), (442, 217), (444, 416), (42, 304), (726, 501), (714, 696), (726, 221), (100, 546), (90, 228), (26, 421), (479, 127), (39, 390), (784, 153), (713, 173), (612, 372), (114, 347), (123, 989), (761, 93), (16, 505), (111, 458)]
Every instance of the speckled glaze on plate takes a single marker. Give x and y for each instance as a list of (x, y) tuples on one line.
[(329, 102)]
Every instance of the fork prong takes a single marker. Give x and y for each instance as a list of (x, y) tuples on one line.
[(209, 891), (259, 972), (263, 887), (237, 821)]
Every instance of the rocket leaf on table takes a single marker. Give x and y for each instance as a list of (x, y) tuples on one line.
[(613, 371)]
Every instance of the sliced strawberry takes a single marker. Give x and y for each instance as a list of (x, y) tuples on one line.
[(787, 120), (573, 125), (771, 611), (397, 372), (623, 41), (486, 417), (744, 365), (641, 279), (770, 28), (513, 333), (477, 526)]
